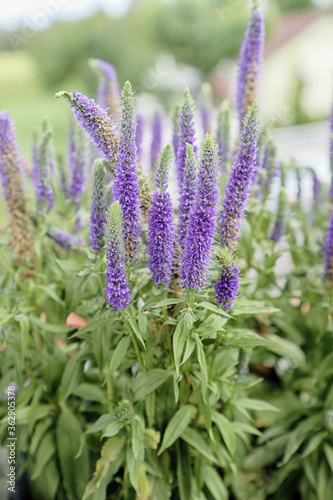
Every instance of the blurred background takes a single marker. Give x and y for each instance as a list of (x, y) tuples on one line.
[(163, 45)]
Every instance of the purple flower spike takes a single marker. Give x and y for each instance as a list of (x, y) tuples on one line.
[(250, 61), (202, 223), (118, 294), (238, 188), (63, 239), (156, 142), (126, 184), (188, 193), (108, 94), (223, 134), (331, 152), (161, 224), (328, 249), (19, 221), (175, 130), (186, 134), (316, 189), (76, 163), (226, 288), (95, 121), (278, 228), (139, 136), (97, 206), (44, 162)]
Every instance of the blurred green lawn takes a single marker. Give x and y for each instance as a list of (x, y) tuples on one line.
[(22, 95), (27, 102)]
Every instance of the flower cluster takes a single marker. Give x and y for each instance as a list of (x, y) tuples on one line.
[(202, 220), (117, 291), (156, 140), (188, 193), (97, 206), (250, 61), (20, 226), (64, 239), (186, 134), (95, 121), (43, 157), (108, 95), (238, 188), (76, 163), (226, 288), (126, 184), (161, 224)]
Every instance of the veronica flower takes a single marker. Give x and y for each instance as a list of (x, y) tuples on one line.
[(161, 223), (126, 184), (238, 187), (175, 129), (64, 239), (76, 162), (202, 222), (268, 168), (97, 206), (331, 151), (20, 227), (108, 94), (95, 121), (117, 291), (188, 193), (44, 162), (223, 134), (316, 188), (206, 105), (278, 228), (156, 141), (328, 249), (186, 134), (226, 288), (139, 136), (250, 61)]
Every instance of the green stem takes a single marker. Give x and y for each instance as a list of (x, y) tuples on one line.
[(135, 343), (191, 298), (110, 389)]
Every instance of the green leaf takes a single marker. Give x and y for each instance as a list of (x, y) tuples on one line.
[(71, 376), (293, 351), (214, 483), (203, 367), (90, 392), (246, 306), (189, 348), (180, 337), (100, 424), (51, 293), (137, 437), (215, 309), (109, 454), (119, 355), (176, 426), (326, 367), (329, 454), (149, 381), (143, 324), (47, 483), (102, 320), (136, 331), (227, 432), (210, 326), (47, 327), (167, 302), (134, 465), (74, 471), (45, 452), (113, 428), (40, 429), (194, 439), (184, 471), (101, 346), (241, 337), (254, 404), (24, 331)]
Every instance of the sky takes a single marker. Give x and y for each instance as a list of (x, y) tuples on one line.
[(40, 14)]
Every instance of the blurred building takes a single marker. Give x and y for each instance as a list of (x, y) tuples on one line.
[(298, 70)]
